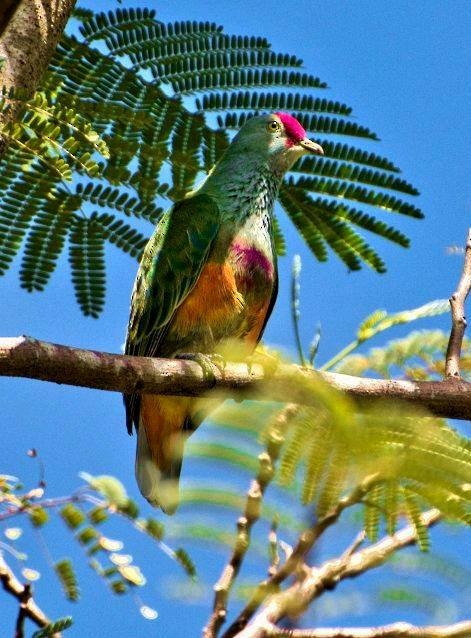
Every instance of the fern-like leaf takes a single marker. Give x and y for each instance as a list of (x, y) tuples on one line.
[(88, 265)]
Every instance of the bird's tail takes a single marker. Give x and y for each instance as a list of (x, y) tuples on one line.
[(159, 451)]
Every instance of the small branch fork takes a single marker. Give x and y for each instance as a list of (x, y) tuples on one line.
[(294, 600), (458, 318), (28, 607), (295, 560)]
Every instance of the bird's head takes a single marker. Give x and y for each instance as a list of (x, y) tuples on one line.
[(279, 136)]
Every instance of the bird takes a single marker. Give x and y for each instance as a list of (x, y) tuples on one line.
[(207, 278)]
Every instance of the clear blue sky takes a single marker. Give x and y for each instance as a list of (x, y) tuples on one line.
[(404, 68)]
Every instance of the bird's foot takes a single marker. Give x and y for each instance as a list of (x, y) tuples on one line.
[(206, 361)]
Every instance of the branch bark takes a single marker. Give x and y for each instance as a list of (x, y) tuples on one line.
[(394, 630), (296, 598), (28, 607), (30, 358), (458, 318), (304, 545), (29, 33)]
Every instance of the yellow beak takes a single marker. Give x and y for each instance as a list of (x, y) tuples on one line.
[(311, 146)]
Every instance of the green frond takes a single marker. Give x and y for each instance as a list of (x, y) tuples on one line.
[(413, 512), (105, 196), (190, 81), (54, 628), (185, 561), (296, 211), (344, 190), (22, 194), (98, 115), (334, 479), (370, 223), (301, 434), (353, 173), (246, 100), (43, 247), (124, 29), (120, 234), (177, 70), (391, 505), (184, 156), (66, 574), (87, 260), (317, 224), (425, 346), (278, 238), (97, 26), (72, 516), (316, 462), (214, 145), (167, 49), (380, 320), (372, 511)]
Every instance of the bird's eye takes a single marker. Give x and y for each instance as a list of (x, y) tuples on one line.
[(273, 126)]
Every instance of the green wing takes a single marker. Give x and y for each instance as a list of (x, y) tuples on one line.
[(169, 269)]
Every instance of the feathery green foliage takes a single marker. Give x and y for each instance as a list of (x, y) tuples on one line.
[(53, 628), (66, 574), (139, 146)]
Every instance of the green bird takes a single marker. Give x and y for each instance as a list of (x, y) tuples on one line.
[(207, 282)]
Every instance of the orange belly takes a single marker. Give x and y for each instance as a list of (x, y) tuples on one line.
[(214, 298)]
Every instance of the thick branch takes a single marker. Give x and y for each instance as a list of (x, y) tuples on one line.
[(26, 357), (395, 630), (28, 607), (29, 33), (296, 598), (458, 318)]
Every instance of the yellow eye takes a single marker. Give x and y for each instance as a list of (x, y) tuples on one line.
[(273, 126)]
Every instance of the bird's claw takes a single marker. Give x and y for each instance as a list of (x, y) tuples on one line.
[(206, 362)]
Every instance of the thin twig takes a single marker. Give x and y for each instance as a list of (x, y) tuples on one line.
[(304, 545), (297, 598), (394, 630), (28, 607), (458, 318), (251, 515), (30, 358), (20, 621)]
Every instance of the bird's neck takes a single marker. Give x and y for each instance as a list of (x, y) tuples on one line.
[(245, 184)]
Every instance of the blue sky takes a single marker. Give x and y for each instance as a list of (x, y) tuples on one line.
[(404, 68)]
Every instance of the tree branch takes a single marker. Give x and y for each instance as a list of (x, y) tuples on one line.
[(304, 545), (395, 630), (28, 608), (458, 318), (30, 358), (296, 598), (29, 33)]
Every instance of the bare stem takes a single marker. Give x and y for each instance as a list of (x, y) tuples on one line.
[(458, 318), (245, 523), (28, 607), (297, 598), (296, 558), (394, 630)]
